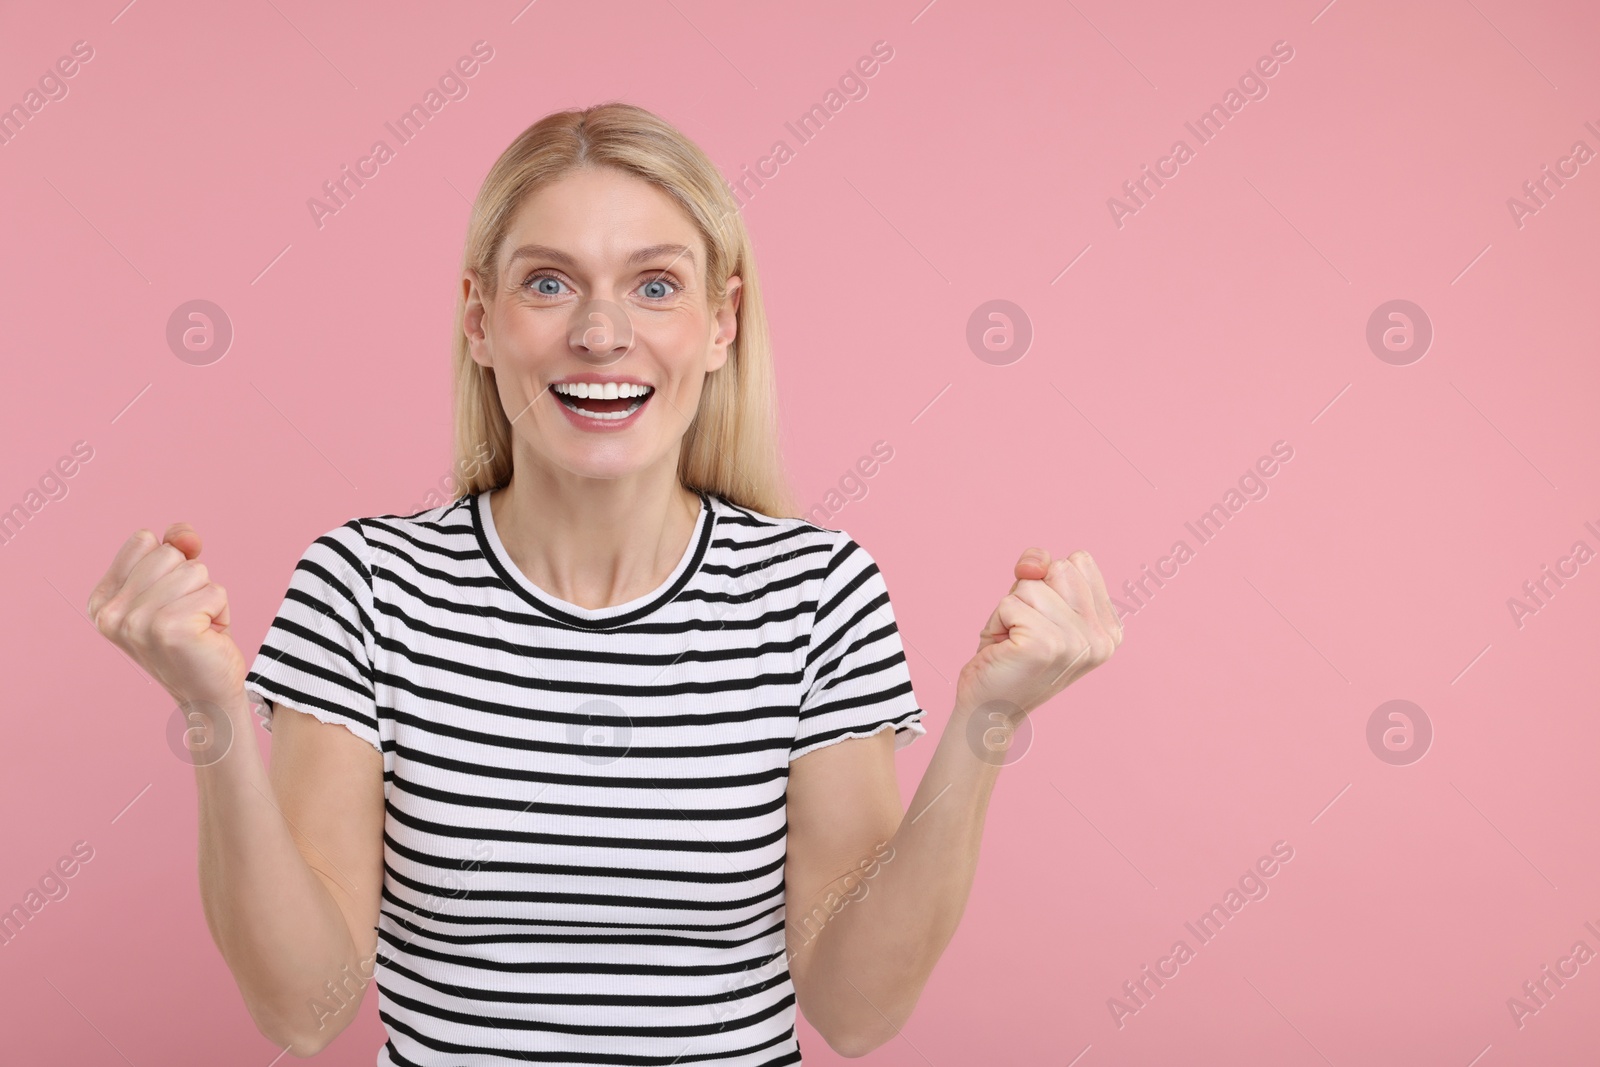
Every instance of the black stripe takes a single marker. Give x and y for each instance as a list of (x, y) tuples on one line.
[(589, 900), (620, 1060), (591, 840), (612, 810), (503, 1022)]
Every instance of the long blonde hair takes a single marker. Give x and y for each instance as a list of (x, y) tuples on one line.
[(731, 445)]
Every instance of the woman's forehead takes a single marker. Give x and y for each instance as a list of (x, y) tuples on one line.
[(604, 216)]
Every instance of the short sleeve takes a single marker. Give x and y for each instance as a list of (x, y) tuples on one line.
[(317, 655), (856, 680)]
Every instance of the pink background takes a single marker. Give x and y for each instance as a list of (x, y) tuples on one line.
[(1229, 313)]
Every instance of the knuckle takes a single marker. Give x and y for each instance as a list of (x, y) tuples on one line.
[(136, 623), (110, 616)]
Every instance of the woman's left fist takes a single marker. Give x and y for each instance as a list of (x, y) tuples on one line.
[(1055, 626)]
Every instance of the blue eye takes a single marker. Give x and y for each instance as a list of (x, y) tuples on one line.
[(536, 281)]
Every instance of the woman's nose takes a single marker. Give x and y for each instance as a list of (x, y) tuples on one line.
[(601, 330)]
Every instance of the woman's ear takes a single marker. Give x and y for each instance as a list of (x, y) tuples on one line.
[(473, 319), (727, 323)]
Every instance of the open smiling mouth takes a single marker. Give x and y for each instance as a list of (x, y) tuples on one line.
[(607, 403)]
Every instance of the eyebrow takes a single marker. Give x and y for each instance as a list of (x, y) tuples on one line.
[(643, 255)]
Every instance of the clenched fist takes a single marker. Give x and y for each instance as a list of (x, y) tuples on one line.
[(1055, 626), (158, 604)]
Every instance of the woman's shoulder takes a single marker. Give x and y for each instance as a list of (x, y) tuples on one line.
[(449, 513), (444, 529), (747, 524), (824, 552)]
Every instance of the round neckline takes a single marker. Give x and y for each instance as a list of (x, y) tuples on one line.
[(494, 550)]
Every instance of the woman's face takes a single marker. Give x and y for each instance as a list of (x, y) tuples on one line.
[(602, 279)]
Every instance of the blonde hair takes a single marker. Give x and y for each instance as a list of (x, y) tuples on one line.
[(731, 445)]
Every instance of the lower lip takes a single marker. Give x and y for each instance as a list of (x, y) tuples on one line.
[(584, 422)]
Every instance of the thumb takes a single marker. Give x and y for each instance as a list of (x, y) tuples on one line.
[(182, 536), (1033, 563)]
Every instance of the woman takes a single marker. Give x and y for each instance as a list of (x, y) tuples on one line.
[(593, 764)]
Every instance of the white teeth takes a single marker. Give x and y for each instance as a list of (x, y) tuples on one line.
[(608, 415), (597, 391), (575, 391)]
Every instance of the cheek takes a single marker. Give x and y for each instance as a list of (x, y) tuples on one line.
[(526, 334), (686, 328), (680, 400), (678, 345)]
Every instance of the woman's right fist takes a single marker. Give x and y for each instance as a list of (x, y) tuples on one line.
[(158, 604)]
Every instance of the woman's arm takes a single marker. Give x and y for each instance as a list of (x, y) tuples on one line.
[(874, 897), (867, 923), (290, 866), (291, 871)]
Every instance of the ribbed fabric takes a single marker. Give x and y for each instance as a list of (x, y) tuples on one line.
[(584, 829)]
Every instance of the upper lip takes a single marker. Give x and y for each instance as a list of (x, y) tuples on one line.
[(600, 379)]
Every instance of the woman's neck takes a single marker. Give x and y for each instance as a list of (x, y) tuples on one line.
[(595, 543)]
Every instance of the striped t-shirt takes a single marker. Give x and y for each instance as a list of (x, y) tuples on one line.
[(584, 819)]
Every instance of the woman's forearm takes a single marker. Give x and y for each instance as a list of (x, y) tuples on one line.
[(873, 956), (276, 924)]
